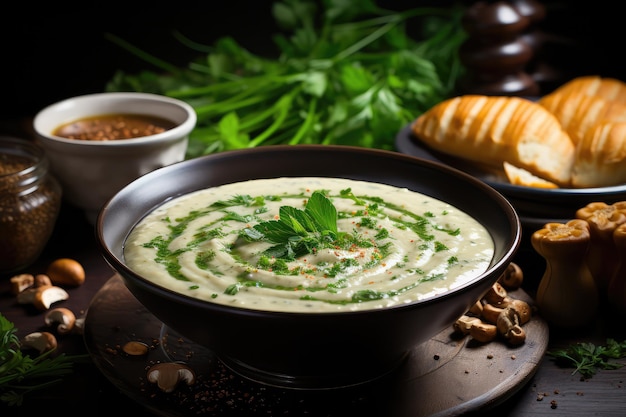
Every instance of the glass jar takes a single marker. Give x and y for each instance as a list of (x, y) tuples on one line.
[(30, 201)]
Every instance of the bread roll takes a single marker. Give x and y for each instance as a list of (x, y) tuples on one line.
[(601, 156), (519, 176), (594, 85), (494, 129), (578, 111)]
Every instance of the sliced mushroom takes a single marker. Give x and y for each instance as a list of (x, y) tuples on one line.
[(42, 297), (168, 375), (509, 326), (63, 317), (476, 309), (42, 280), (135, 348), (516, 335), (496, 294), (483, 332), (490, 313), (79, 325), (40, 341), (522, 308), (512, 278), (21, 282), (464, 323)]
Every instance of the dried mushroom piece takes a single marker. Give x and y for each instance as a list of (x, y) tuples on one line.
[(464, 323), (509, 326), (135, 348), (21, 282), (512, 278), (42, 297), (42, 342), (168, 375), (567, 295), (62, 317), (498, 313), (483, 332)]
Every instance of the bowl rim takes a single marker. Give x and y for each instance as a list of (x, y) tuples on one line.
[(179, 131), (118, 264)]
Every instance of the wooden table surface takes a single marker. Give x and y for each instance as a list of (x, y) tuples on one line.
[(88, 389)]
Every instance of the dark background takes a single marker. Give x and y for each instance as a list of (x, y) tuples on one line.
[(50, 52)]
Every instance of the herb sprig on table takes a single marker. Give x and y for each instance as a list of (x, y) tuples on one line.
[(21, 374), (587, 358), (349, 74)]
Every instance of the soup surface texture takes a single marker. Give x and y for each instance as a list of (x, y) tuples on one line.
[(308, 245)]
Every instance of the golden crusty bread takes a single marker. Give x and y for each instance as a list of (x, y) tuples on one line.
[(494, 129), (601, 156), (519, 176), (595, 85), (578, 111)]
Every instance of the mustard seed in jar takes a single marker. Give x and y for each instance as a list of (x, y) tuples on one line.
[(30, 201), (114, 127)]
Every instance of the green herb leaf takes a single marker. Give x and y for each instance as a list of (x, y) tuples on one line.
[(21, 374), (297, 232), (587, 358), (348, 74)]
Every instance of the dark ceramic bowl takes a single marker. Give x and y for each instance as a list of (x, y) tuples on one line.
[(308, 350)]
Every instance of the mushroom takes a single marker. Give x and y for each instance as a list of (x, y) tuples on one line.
[(464, 323), (476, 309), (168, 375), (42, 280), (135, 348), (79, 325), (521, 307), (40, 341), (496, 294), (21, 282), (42, 297), (508, 325), (483, 332), (63, 317), (66, 271), (512, 278), (490, 313)]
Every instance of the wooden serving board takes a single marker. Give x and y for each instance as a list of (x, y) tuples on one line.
[(445, 376)]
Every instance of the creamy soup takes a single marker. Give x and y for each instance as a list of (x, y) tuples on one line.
[(308, 244)]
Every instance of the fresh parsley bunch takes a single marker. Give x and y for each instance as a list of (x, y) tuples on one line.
[(348, 73)]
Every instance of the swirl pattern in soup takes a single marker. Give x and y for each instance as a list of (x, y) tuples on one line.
[(308, 244)]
